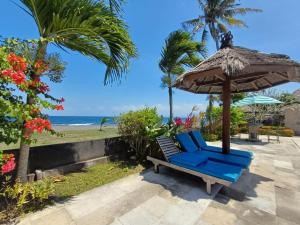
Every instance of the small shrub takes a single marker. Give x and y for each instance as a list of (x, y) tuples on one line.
[(210, 137), (18, 198), (139, 128)]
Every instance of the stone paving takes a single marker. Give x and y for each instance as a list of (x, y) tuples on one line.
[(272, 196)]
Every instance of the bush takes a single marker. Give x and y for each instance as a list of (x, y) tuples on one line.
[(287, 132), (273, 130), (139, 129), (19, 198), (210, 137)]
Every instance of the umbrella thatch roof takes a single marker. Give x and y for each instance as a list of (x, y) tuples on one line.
[(249, 70)]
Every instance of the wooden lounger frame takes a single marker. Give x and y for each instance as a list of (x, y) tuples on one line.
[(169, 148)]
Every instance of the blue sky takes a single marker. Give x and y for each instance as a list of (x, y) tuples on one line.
[(150, 21)]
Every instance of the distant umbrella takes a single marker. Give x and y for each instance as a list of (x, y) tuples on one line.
[(257, 100)]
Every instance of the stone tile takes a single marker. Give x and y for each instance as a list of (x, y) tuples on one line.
[(157, 206), (107, 213), (58, 217), (116, 222), (288, 204), (92, 202), (24, 222), (178, 215), (219, 216), (280, 221), (283, 164), (287, 180), (243, 213), (138, 216), (262, 195)]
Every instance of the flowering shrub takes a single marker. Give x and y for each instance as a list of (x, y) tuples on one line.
[(7, 163), (178, 121), (24, 75)]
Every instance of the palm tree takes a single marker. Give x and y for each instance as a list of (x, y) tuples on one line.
[(180, 51), (90, 27), (215, 15), (211, 100)]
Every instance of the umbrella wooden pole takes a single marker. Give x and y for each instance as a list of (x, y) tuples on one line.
[(226, 116)]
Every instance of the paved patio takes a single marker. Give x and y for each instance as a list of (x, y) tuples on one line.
[(272, 196)]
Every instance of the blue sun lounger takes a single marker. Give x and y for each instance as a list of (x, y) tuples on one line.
[(188, 145), (200, 142), (196, 164)]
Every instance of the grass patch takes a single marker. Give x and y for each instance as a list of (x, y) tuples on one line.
[(95, 176), (69, 136)]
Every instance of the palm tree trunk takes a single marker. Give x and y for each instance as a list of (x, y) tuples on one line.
[(24, 146), (171, 104), (217, 44)]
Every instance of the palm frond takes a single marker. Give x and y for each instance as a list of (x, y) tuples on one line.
[(242, 11), (88, 27), (180, 51), (115, 5), (195, 24), (213, 14), (234, 22)]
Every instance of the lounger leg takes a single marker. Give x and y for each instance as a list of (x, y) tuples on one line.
[(208, 187), (156, 168)]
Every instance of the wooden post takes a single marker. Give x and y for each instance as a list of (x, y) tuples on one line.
[(226, 116)]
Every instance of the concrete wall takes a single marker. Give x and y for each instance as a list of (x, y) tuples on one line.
[(51, 156), (292, 119)]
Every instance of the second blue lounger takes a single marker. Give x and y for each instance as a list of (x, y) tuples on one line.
[(188, 145), (200, 142)]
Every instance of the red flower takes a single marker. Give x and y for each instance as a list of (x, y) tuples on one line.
[(188, 123), (59, 107), (38, 124), (18, 77), (9, 163), (178, 121), (18, 63)]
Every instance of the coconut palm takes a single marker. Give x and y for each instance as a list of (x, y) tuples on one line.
[(215, 16), (211, 100), (90, 27), (180, 51)]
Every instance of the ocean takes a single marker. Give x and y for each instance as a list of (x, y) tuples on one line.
[(84, 120)]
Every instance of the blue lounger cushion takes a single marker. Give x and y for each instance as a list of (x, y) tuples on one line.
[(227, 158), (189, 159), (186, 142), (188, 145), (200, 142), (220, 170)]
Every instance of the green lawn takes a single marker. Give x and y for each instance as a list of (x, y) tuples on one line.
[(76, 183), (69, 136)]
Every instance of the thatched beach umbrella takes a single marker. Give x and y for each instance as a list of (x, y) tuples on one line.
[(235, 69)]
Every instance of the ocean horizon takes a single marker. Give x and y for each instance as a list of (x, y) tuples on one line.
[(85, 120)]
